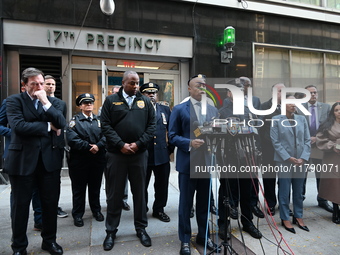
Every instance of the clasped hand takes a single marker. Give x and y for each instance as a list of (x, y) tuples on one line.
[(129, 148)]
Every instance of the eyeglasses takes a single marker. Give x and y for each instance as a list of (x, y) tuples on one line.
[(197, 76)]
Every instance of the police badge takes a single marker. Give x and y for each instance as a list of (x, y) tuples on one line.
[(141, 104), (233, 125)]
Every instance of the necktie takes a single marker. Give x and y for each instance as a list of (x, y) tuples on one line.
[(35, 103), (199, 113), (312, 127), (129, 101), (90, 119)]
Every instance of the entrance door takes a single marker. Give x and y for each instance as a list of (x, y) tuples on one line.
[(168, 87)]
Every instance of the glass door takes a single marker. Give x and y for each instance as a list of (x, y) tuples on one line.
[(167, 87)]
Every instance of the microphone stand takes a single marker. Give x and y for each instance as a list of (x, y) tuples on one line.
[(228, 249)]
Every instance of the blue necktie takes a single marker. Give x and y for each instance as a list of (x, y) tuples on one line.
[(312, 128), (35, 103)]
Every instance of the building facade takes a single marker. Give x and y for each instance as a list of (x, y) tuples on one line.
[(295, 41)]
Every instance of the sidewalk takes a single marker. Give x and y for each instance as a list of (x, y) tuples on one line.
[(323, 238)]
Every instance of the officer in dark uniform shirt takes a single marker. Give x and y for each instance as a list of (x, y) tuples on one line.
[(159, 151), (87, 159)]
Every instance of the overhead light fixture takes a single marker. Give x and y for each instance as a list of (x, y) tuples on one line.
[(144, 67), (107, 6)]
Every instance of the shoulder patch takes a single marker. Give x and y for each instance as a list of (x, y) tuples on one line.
[(72, 123)]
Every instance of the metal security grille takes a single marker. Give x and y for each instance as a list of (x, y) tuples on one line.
[(49, 65)]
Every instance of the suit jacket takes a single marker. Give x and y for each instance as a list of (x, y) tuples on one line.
[(181, 131), (4, 129), (285, 142), (30, 137), (159, 148), (323, 111)]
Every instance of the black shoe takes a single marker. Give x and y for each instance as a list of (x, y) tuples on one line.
[(126, 206), (52, 248), (221, 234), (253, 231), (23, 252), (325, 206), (292, 230), (61, 213), (162, 216), (271, 211), (192, 212), (211, 246), (37, 226), (305, 228), (98, 216), (109, 241), (185, 249), (233, 213), (257, 212), (78, 222), (213, 209), (144, 237)]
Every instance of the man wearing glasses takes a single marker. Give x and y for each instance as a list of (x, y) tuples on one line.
[(319, 112)]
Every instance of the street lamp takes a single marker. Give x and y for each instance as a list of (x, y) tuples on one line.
[(229, 43), (107, 6)]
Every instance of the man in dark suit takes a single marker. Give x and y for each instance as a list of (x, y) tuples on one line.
[(34, 159), (192, 152), (269, 178), (320, 112), (159, 151)]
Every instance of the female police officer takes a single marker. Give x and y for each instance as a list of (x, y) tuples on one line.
[(87, 159)]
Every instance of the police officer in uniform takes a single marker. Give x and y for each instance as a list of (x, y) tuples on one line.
[(87, 159), (159, 151)]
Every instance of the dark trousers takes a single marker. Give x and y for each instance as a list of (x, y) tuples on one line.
[(244, 186), (161, 185), (269, 179), (118, 167), (316, 162), (48, 184), (36, 204), (187, 188), (86, 174)]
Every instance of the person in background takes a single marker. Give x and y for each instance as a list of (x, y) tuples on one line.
[(328, 140), (192, 151), (87, 159), (128, 122), (241, 188), (33, 159), (159, 151), (269, 178), (291, 142), (319, 112), (50, 87)]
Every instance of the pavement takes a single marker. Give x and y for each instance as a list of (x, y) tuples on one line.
[(323, 238)]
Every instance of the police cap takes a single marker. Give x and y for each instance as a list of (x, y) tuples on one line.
[(149, 87), (87, 97)]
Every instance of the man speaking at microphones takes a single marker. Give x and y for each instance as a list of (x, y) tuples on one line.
[(192, 151)]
